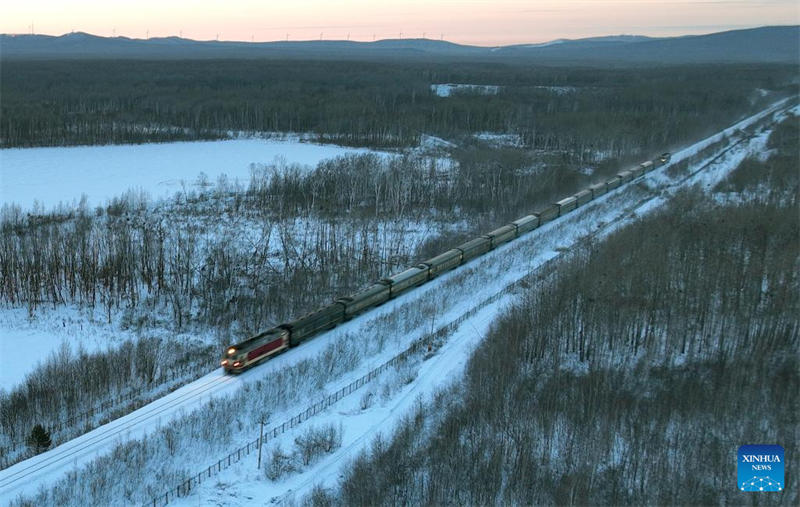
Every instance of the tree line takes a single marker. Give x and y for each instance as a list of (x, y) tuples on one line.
[(47, 103)]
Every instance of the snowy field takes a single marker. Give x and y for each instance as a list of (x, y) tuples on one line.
[(449, 296), (67, 327), (53, 175), (16, 344)]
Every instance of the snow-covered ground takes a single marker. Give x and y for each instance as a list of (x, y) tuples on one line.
[(465, 289), (51, 330), (21, 335), (446, 90), (64, 174), (495, 139)]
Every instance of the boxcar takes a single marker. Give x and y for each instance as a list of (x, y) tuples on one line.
[(566, 205), (548, 214), (502, 235), (371, 296), (444, 262), (583, 197), (625, 177), (613, 183), (316, 321), (243, 354), (474, 248), (406, 280), (526, 224), (598, 190)]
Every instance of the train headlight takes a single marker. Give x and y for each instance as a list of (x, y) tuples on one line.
[(224, 362), (231, 351), (237, 364)]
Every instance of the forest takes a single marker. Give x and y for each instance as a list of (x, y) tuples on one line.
[(629, 377), (55, 103), (227, 260)]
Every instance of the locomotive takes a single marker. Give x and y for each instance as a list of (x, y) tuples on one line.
[(247, 353)]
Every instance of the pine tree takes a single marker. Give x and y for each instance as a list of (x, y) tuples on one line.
[(39, 439)]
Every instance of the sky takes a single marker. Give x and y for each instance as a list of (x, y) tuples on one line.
[(478, 22)]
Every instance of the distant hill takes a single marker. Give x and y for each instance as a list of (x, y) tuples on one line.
[(766, 44)]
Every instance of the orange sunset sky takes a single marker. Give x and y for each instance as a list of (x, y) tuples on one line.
[(484, 23)]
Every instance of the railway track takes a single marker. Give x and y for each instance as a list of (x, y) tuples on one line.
[(25, 469), (30, 469), (540, 272)]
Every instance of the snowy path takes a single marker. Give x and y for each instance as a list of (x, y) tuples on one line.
[(499, 269)]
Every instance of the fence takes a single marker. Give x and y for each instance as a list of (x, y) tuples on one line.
[(540, 272), (185, 488)]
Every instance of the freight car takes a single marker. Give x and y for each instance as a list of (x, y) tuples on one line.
[(252, 351)]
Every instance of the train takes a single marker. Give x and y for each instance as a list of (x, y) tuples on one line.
[(246, 354)]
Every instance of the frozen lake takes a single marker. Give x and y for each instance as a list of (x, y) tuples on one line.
[(63, 174)]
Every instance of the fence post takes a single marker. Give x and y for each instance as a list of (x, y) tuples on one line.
[(260, 441)]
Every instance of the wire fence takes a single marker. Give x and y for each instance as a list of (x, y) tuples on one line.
[(421, 344), (187, 486)]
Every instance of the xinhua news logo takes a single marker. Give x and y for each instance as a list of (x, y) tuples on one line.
[(761, 468)]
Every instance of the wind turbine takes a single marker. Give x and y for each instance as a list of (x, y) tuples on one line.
[(287, 37), (348, 37), (320, 35), (441, 36), (181, 34), (401, 35), (217, 37), (252, 38), (373, 37), (423, 35), (113, 32), (147, 34)]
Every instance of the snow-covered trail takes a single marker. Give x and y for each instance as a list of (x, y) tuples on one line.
[(500, 268)]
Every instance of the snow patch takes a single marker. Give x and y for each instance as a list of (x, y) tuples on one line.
[(494, 139), (446, 90)]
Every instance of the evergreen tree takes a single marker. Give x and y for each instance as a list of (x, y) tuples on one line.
[(39, 439)]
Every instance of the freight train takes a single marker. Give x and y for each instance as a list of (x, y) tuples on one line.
[(247, 353)]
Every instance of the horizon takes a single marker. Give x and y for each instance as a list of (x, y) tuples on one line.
[(120, 36), (475, 23)]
